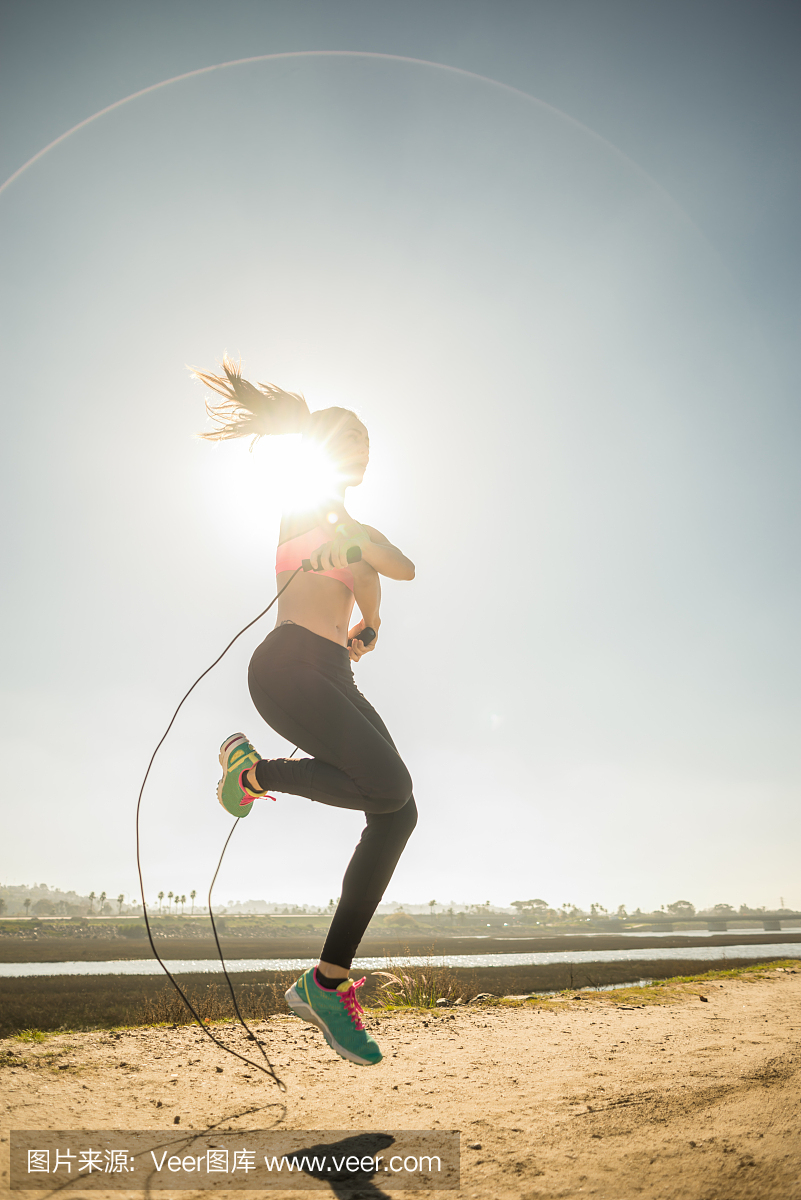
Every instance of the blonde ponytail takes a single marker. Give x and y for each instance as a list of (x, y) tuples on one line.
[(248, 411)]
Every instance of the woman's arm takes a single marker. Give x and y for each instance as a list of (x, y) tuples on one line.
[(384, 557), (367, 594), (376, 550)]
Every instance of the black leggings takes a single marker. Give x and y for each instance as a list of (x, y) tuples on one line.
[(302, 685)]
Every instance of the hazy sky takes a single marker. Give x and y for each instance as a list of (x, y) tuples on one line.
[(570, 324)]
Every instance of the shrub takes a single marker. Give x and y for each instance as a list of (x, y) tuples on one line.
[(416, 987), (400, 920)]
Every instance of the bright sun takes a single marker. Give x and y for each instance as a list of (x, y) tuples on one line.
[(304, 474)]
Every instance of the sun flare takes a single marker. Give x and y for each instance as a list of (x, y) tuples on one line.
[(304, 473)]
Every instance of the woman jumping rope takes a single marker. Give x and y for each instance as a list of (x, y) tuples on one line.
[(301, 683)]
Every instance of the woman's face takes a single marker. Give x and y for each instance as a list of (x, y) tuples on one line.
[(350, 450)]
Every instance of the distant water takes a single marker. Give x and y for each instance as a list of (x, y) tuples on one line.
[(699, 933), (211, 966)]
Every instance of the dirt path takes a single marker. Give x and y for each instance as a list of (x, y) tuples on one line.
[(680, 1099)]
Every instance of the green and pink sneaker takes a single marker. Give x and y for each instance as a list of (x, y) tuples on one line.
[(339, 1015), (236, 756)]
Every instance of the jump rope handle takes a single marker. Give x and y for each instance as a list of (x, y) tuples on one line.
[(354, 554), (366, 636)]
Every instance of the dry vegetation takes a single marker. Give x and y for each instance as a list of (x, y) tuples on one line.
[(81, 1002)]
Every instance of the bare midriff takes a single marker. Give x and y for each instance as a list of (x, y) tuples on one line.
[(318, 603)]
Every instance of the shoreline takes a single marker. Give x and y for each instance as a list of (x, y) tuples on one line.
[(50, 1003), (77, 949)]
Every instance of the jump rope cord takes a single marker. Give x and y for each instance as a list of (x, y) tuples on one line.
[(242, 1020), (269, 1069)]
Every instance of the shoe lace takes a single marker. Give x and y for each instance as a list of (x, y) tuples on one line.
[(352, 1006), (249, 794)]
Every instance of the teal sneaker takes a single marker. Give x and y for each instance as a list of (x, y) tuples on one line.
[(236, 755), (339, 1015)]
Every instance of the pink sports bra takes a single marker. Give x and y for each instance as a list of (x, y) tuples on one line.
[(290, 554)]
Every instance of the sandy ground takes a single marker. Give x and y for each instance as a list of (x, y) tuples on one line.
[(592, 1097)]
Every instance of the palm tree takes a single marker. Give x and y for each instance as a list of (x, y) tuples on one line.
[(120, 902), (160, 898), (192, 895), (26, 903), (183, 902), (101, 901), (91, 900), (432, 905), (169, 897)]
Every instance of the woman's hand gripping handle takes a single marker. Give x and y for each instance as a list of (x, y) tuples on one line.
[(353, 555), (338, 553), (374, 549), (361, 640)]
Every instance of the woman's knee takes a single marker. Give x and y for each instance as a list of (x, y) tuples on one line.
[(407, 817), (402, 788), (395, 791), (396, 825)]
